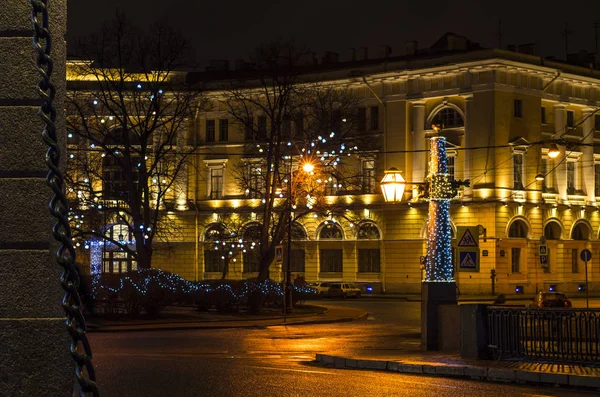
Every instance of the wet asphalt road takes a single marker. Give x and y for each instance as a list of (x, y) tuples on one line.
[(277, 361)]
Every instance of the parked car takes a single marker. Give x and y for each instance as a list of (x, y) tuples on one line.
[(550, 299), (321, 287), (344, 290)]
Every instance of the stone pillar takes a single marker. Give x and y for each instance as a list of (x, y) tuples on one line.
[(469, 142), (34, 352), (419, 163), (561, 170), (587, 158), (181, 182)]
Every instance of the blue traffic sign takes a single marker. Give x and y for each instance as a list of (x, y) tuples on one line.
[(468, 260), (585, 255)]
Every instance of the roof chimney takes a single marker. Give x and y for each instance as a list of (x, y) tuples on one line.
[(364, 54), (385, 51), (411, 47)]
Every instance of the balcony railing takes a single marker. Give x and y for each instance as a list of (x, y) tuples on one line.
[(562, 335)]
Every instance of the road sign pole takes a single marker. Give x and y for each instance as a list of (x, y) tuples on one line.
[(587, 292)]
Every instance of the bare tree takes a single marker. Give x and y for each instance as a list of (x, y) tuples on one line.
[(128, 108), (291, 121)]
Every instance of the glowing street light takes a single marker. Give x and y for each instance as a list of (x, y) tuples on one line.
[(392, 186), (553, 152)]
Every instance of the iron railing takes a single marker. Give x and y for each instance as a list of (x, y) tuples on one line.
[(565, 335)]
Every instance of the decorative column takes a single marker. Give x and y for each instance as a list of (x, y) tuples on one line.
[(34, 343), (587, 158), (438, 287), (561, 170), (419, 145)]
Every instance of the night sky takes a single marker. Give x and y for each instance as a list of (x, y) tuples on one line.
[(230, 29)]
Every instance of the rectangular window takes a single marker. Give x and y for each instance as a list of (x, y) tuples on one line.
[(216, 183), (262, 127), (597, 122), (570, 177), (210, 130), (299, 125), (596, 180), (451, 162), (361, 119), (255, 181), (223, 130), (369, 260), (518, 171), (331, 260), (286, 127), (251, 261), (369, 180), (298, 260), (212, 261), (518, 108), (374, 118), (545, 172), (515, 260), (249, 129), (570, 118), (574, 260), (331, 186), (114, 178), (544, 115)]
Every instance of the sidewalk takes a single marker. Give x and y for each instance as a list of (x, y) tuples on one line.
[(451, 365), (181, 318)]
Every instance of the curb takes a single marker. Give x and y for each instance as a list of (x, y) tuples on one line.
[(278, 321), (463, 371)]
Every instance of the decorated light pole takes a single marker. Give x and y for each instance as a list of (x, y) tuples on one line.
[(438, 287)]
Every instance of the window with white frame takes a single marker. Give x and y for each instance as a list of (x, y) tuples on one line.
[(597, 179), (255, 180), (216, 178), (451, 163), (518, 167), (571, 175), (515, 259), (548, 172), (369, 179)]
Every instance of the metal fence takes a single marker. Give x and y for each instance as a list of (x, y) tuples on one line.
[(565, 335)]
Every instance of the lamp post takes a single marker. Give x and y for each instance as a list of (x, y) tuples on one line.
[(307, 167), (439, 286)]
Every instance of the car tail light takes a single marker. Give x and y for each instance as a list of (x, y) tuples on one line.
[(567, 304)]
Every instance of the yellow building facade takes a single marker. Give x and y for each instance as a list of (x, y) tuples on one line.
[(502, 114)]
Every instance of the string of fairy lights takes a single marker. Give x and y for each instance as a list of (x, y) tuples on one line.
[(143, 279)]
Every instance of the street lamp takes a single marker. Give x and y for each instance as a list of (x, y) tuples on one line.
[(392, 186), (307, 167), (553, 152)]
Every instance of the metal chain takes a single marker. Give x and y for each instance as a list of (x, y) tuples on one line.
[(58, 206)]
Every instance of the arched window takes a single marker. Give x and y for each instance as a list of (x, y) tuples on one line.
[(369, 254), (331, 231), (251, 238), (518, 229), (298, 232), (581, 231), (115, 258), (552, 231), (368, 231), (214, 260), (448, 117)]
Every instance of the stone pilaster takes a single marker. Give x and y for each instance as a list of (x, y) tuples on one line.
[(34, 357), (419, 163), (561, 170), (587, 158)]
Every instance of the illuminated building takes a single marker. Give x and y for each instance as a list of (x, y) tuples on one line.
[(503, 112)]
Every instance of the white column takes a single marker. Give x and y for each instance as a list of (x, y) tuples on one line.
[(419, 163), (561, 170), (587, 158)]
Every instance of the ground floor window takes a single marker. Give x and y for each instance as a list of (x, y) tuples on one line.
[(251, 261), (574, 260), (331, 260), (213, 261), (298, 258), (118, 262), (369, 260)]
